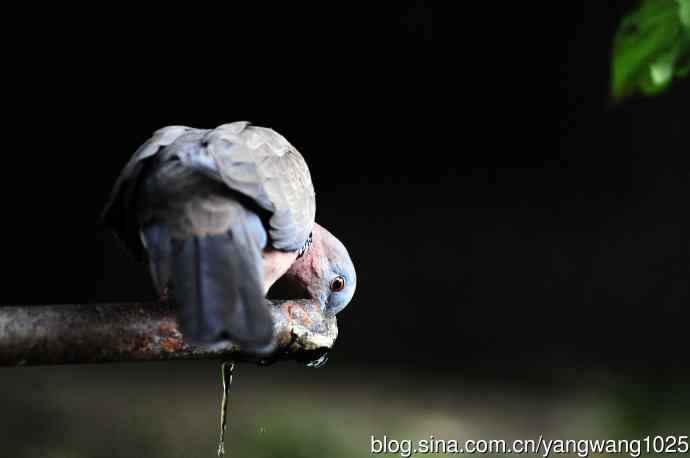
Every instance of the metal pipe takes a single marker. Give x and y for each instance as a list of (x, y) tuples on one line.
[(75, 334)]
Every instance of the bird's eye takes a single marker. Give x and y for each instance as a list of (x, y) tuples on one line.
[(338, 284)]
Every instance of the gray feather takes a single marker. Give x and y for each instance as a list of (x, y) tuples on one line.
[(193, 201), (261, 164), (253, 161), (215, 282), (156, 239), (121, 211)]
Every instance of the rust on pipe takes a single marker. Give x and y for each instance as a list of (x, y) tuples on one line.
[(97, 333)]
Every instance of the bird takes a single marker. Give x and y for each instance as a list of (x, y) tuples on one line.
[(325, 274), (219, 215)]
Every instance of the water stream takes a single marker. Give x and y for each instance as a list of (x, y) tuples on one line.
[(226, 371)]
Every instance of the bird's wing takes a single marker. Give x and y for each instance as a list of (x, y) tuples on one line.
[(261, 164), (254, 161), (118, 212)]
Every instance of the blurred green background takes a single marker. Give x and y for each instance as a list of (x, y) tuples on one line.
[(287, 410)]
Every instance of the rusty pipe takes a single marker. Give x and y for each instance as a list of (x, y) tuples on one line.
[(98, 333)]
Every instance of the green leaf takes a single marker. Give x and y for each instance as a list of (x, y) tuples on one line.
[(651, 47), (661, 69)]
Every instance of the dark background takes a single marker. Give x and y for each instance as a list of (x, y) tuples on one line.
[(520, 241), (503, 215)]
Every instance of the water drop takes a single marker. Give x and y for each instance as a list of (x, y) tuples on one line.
[(318, 362)]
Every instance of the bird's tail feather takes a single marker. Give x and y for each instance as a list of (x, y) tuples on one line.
[(156, 239), (217, 288)]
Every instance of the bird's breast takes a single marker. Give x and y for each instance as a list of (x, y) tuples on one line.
[(276, 263)]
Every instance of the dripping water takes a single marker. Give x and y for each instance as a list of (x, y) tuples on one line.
[(319, 362), (226, 370)]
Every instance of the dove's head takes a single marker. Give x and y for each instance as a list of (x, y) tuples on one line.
[(325, 273)]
